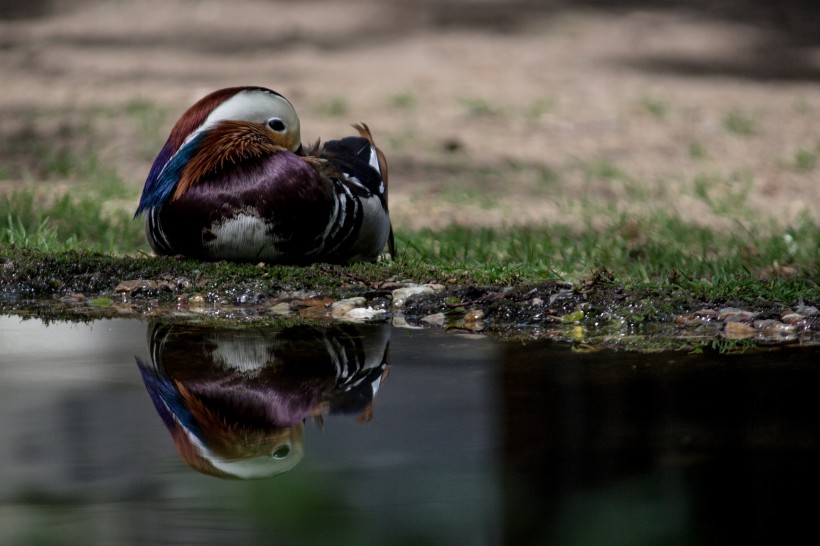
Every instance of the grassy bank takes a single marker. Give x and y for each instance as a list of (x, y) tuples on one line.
[(622, 251), (658, 253)]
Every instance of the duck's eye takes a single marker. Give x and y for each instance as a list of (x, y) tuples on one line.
[(277, 125), (281, 452)]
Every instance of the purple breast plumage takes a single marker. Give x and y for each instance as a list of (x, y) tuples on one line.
[(234, 182)]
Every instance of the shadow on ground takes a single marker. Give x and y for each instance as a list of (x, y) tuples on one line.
[(784, 51)]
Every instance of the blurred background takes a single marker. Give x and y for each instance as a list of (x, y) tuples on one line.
[(492, 113)]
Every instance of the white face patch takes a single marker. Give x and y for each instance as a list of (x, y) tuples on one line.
[(257, 467), (255, 106), (261, 466)]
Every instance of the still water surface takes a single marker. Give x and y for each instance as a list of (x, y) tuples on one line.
[(127, 432)]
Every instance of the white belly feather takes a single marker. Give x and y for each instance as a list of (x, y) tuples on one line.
[(243, 237)]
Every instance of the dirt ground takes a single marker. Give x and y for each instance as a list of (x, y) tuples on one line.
[(491, 113)]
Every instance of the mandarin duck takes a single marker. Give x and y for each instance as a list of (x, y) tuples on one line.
[(234, 182), (235, 400)]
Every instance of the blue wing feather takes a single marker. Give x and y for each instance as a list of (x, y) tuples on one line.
[(167, 399), (165, 175)]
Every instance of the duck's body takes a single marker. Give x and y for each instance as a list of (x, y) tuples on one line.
[(233, 182)]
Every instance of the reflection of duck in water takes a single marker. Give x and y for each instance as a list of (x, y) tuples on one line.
[(235, 400)]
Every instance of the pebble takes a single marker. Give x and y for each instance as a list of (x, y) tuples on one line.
[(710, 314), (313, 312), (281, 308), (134, 285), (340, 308), (807, 310), (436, 319), (739, 330), (123, 309), (732, 314), (474, 314), (363, 314), (390, 285), (74, 298), (400, 322), (474, 326), (401, 295), (473, 319), (771, 327), (792, 318)]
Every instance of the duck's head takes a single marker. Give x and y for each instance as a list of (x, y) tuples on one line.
[(259, 106), (232, 121)]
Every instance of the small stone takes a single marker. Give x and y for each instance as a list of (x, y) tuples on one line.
[(363, 314), (135, 285), (73, 298), (390, 285), (340, 308), (313, 312), (400, 322), (123, 309), (473, 315), (401, 295), (168, 286), (807, 310), (436, 319), (312, 307), (710, 314), (473, 319), (733, 314), (281, 308), (793, 318), (773, 327), (739, 330), (474, 325), (535, 302)]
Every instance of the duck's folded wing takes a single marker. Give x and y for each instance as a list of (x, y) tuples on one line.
[(357, 160)]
